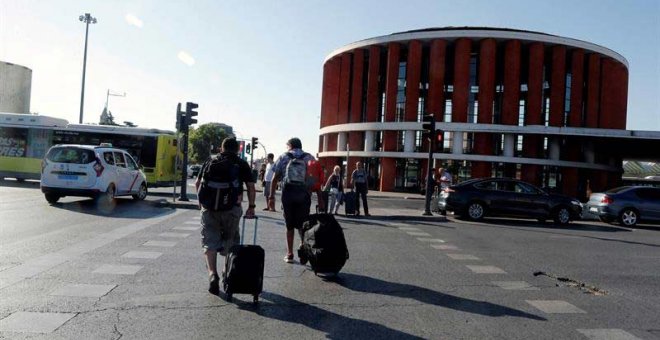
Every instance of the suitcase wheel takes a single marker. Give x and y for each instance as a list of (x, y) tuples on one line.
[(255, 299)]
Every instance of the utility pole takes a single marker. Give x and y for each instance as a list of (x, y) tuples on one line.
[(87, 19)]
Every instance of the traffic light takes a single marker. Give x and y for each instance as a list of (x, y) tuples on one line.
[(248, 149), (241, 149), (190, 113), (428, 126), (255, 142), (439, 140)]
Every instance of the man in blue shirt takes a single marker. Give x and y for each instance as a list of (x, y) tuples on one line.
[(290, 168)]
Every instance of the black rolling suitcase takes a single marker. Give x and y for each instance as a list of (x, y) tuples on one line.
[(349, 202), (244, 268), (324, 244)]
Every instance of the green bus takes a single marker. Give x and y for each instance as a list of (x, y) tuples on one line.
[(25, 139)]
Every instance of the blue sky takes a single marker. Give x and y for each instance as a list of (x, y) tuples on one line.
[(258, 64)]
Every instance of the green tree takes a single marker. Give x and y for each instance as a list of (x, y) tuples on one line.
[(204, 139)]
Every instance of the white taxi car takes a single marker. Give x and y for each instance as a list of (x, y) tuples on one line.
[(101, 172)]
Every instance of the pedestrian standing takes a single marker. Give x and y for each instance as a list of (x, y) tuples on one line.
[(444, 178), (359, 181), (220, 190), (291, 169), (268, 178), (335, 188)]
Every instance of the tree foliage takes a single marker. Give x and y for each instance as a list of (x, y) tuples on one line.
[(204, 139)]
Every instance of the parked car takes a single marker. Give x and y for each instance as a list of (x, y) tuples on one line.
[(477, 198), (627, 205), (101, 172), (193, 170)]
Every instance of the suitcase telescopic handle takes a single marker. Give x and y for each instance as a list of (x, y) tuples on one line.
[(254, 238)]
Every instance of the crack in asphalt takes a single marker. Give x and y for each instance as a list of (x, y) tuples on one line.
[(115, 330), (587, 288)]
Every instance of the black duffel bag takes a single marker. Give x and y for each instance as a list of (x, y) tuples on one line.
[(324, 245)]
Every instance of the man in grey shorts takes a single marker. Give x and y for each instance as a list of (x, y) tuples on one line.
[(220, 192)]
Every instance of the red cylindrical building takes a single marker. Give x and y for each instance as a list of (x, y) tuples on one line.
[(509, 102)]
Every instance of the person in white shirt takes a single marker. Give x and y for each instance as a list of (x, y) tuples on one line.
[(268, 178), (445, 178)]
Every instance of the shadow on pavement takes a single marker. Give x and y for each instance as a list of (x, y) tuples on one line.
[(27, 184), (122, 207), (192, 196), (335, 326), (372, 285), (582, 226), (515, 224)]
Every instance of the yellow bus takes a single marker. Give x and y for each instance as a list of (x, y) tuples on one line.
[(25, 138)]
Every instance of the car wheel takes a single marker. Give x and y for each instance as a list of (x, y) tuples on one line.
[(562, 216), (52, 199), (142, 193), (628, 217), (108, 197), (475, 211)]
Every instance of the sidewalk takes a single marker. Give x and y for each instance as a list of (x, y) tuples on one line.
[(163, 197)]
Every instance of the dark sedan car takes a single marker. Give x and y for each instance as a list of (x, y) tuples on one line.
[(627, 205), (477, 198)]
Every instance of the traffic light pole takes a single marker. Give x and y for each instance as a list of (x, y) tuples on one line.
[(428, 126), (184, 172), (184, 120), (429, 179)]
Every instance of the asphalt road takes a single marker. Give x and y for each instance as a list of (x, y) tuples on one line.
[(70, 271)]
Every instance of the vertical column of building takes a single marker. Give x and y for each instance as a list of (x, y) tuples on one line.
[(355, 138), (569, 176), (413, 75), (388, 165), (332, 71), (483, 142), (557, 86), (612, 107), (373, 95), (435, 102), (511, 98), (557, 104), (344, 99), (373, 85), (593, 91), (531, 143), (461, 80)]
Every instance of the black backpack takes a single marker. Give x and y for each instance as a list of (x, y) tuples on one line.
[(220, 184)]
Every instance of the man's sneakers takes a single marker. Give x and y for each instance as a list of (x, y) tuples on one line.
[(288, 258), (214, 284)]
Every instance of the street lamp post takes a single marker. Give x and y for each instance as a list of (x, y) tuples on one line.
[(87, 19)]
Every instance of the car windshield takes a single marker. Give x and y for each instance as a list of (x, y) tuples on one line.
[(70, 155)]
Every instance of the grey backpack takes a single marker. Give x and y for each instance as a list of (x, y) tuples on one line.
[(296, 170)]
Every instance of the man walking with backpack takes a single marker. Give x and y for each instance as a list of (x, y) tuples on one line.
[(291, 169), (359, 180), (220, 190)]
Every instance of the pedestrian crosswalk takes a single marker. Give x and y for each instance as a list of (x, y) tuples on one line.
[(544, 306), (46, 322)]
